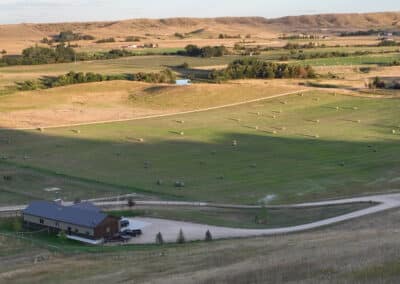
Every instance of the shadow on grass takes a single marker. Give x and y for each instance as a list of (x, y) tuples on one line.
[(292, 169)]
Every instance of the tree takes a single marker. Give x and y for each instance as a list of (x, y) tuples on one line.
[(208, 237), (181, 237), (131, 202), (3, 52), (159, 239)]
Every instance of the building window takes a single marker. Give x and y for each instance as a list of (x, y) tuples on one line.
[(108, 229), (41, 221)]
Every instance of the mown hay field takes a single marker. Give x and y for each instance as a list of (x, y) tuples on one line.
[(290, 149)]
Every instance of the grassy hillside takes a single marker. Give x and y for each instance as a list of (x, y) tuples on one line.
[(290, 149)]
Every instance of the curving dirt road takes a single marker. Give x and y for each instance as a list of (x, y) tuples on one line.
[(193, 232)]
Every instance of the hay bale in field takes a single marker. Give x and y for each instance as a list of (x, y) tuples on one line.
[(180, 121), (355, 108), (337, 107), (393, 131), (316, 136), (159, 182), (40, 129), (256, 127), (359, 121), (179, 184), (301, 95), (141, 140), (76, 131), (234, 143), (181, 133)]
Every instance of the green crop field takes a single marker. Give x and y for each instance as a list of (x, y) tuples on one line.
[(371, 59), (297, 148)]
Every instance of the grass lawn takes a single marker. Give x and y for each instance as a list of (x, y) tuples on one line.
[(243, 218), (289, 149)]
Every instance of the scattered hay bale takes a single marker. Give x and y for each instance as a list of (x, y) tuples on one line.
[(359, 121), (141, 140), (274, 116), (258, 113), (284, 102), (393, 131), (179, 184), (283, 128), (337, 108), (40, 129), (355, 108), (159, 182), (180, 121), (76, 131), (256, 127), (274, 132), (234, 143), (316, 136), (7, 178), (301, 95), (181, 133)]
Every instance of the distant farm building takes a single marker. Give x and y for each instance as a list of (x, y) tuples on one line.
[(83, 221), (183, 82)]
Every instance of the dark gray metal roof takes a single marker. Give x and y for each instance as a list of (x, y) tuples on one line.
[(86, 206), (73, 215)]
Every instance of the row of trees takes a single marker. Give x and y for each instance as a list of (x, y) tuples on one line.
[(207, 51), (165, 76), (379, 83), (62, 53), (40, 55), (257, 69), (181, 238)]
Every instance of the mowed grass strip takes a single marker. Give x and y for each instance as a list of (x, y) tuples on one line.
[(288, 157)]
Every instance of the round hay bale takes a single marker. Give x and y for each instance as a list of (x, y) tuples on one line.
[(355, 108), (393, 131), (159, 182), (337, 108), (274, 132), (359, 121), (140, 140), (181, 133), (40, 129), (179, 184), (234, 143), (256, 127), (316, 136)]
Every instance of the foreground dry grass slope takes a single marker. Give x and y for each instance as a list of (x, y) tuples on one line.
[(362, 251), (118, 100)]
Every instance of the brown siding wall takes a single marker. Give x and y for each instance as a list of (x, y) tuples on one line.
[(108, 228)]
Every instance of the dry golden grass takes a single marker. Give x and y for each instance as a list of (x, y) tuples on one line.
[(200, 31), (361, 251), (118, 100)]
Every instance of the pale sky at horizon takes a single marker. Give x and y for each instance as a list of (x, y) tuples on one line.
[(35, 11)]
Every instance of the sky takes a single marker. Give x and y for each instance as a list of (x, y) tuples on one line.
[(35, 11)]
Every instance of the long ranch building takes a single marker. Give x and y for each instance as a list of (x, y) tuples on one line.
[(82, 221)]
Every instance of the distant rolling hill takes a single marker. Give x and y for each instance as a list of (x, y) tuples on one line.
[(14, 38)]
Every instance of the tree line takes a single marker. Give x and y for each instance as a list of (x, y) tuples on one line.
[(165, 76), (207, 51), (252, 68), (62, 53)]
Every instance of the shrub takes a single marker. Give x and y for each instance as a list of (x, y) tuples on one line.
[(207, 51), (181, 237), (159, 239), (105, 40), (208, 237)]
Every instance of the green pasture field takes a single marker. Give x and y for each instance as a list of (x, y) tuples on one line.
[(243, 218), (291, 149)]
